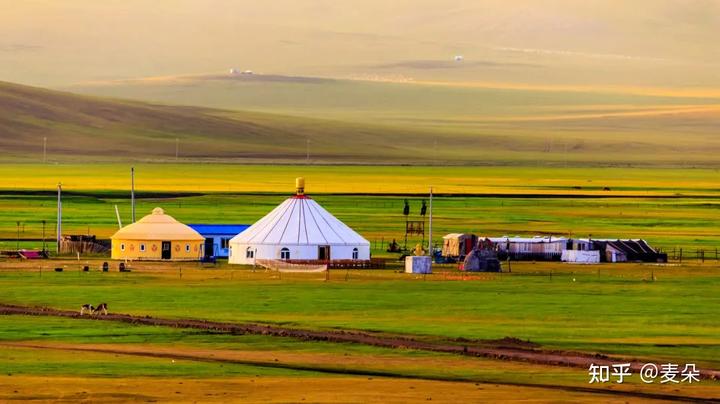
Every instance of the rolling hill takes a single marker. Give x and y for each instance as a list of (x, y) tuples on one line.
[(355, 122), (99, 129)]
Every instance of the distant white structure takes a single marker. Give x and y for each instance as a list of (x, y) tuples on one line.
[(580, 257), (234, 71), (459, 58), (418, 264), (248, 72), (298, 229)]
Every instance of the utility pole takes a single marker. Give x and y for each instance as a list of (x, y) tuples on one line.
[(59, 216), (132, 193), (430, 226), (177, 152), (44, 149)]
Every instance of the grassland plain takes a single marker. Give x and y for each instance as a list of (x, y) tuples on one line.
[(279, 390), (235, 178), (607, 309), (671, 208), (672, 319)]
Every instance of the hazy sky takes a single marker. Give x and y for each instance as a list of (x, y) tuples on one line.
[(658, 43)]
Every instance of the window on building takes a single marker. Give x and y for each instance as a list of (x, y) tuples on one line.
[(122, 247), (249, 253), (142, 247), (285, 254), (187, 247), (355, 254), (224, 242)]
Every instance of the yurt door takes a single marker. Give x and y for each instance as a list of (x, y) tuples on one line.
[(166, 251), (324, 252)]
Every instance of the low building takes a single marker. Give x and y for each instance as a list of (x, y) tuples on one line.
[(458, 245), (628, 251), (83, 244), (581, 256), (217, 237), (538, 248), (157, 236)]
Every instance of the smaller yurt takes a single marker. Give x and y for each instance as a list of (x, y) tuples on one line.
[(158, 237)]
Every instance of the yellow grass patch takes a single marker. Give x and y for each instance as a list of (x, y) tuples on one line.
[(274, 390)]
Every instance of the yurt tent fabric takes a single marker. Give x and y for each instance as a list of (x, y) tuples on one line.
[(157, 237), (298, 229)]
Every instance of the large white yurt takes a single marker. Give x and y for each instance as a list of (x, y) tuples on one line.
[(298, 229)]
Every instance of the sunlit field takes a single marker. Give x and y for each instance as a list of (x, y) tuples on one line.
[(669, 319), (671, 209), (645, 312)]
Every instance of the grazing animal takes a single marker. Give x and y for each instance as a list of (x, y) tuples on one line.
[(87, 307), (101, 309)]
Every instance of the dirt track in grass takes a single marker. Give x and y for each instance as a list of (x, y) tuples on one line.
[(505, 349), (321, 365), (508, 349)]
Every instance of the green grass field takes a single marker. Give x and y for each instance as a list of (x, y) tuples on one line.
[(610, 309), (676, 310), (591, 309), (668, 207)]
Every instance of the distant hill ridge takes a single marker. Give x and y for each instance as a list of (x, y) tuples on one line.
[(102, 128)]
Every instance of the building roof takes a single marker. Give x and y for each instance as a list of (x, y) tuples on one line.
[(632, 246), (536, 239), (157, 226), (299, 221), (456, 236), (226, 229)]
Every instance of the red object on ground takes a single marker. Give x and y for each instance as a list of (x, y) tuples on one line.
[(30, 254)]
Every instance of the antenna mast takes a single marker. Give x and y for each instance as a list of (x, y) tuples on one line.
[(59, 216), (430, 227), (132, 192)]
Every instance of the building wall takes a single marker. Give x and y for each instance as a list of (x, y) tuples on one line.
[(238, 252), (533, 247), (217, 244), (153, 250)]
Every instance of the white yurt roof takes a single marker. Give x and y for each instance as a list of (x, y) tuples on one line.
[(157, 226), (299, 221)]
